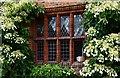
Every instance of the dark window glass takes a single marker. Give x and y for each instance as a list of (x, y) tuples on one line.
[(77, 49), (65, 25), (65, 50), (40, 28), (52, 27), (78, 29), (52, 50), (40, 54)]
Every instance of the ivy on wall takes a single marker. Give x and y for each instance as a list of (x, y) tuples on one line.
[(16, 57), (102, 25)]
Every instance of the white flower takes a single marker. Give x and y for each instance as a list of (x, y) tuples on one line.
[(19, 40), (68, 73), (6, 48), (1, 59), (8, 36)]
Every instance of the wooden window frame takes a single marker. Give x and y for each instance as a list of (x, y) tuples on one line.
[(58, 38)]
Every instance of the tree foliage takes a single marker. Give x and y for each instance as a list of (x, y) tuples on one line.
[(16, 57), (102, 20)]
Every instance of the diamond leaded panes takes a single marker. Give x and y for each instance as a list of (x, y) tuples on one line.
[(65, 25), (52, 50), (52, 27), (65, 50), (78, 29), (40, 51)]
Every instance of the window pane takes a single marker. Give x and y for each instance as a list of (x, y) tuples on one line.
[(52, 27), (65, 25), (40, 24), (52, 50), (40, 55), (77, 49), (65, 50), (78, 29)]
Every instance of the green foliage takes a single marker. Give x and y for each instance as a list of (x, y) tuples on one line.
[(103, 16), (102, 20), (16, 57), (52, 71)]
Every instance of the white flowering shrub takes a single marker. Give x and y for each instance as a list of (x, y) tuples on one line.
[(101, 23), (102, 51), (16, 57)]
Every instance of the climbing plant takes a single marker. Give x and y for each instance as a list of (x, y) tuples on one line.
[(16, 57), (102, 20)]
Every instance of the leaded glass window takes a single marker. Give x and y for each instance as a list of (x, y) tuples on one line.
[(65, 25), (52, 27), (65, 50), (40, 28), (78, 29), (52, 50), (40, 54)]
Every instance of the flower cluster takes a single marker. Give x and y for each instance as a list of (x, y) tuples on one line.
[(6, 48), (92, 32), (19, 40), (11, 35), (89, 70), (1, 59), (98, 7), (14, 36), (15, 55), (7, 24), (104, 49)]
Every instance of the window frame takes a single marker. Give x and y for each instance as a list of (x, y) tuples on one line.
[(58, 37)]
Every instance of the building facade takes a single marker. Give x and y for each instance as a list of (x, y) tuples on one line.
[(58, 35)]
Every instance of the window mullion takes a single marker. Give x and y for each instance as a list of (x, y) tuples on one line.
[(71, 53), (45, 36), (71, 24), (58, 55)]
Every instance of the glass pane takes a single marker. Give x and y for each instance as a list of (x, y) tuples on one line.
[(78, 45), (65, 25), (40, 55), (40, 24), (52, 27), (65, 50), (52, 50), (78, 29)]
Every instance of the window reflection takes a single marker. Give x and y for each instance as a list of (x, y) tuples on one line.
[(78, 29), (52, 27), (65, 25)]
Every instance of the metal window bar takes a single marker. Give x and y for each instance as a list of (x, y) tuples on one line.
[(52, 50), (65, 50), (40, 52)]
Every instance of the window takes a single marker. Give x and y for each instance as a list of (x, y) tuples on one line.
[(52, 26), (64, 25), (40, 27), (52, 50), (78, 29), (59, 37), (65, 50), (40, 51)]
